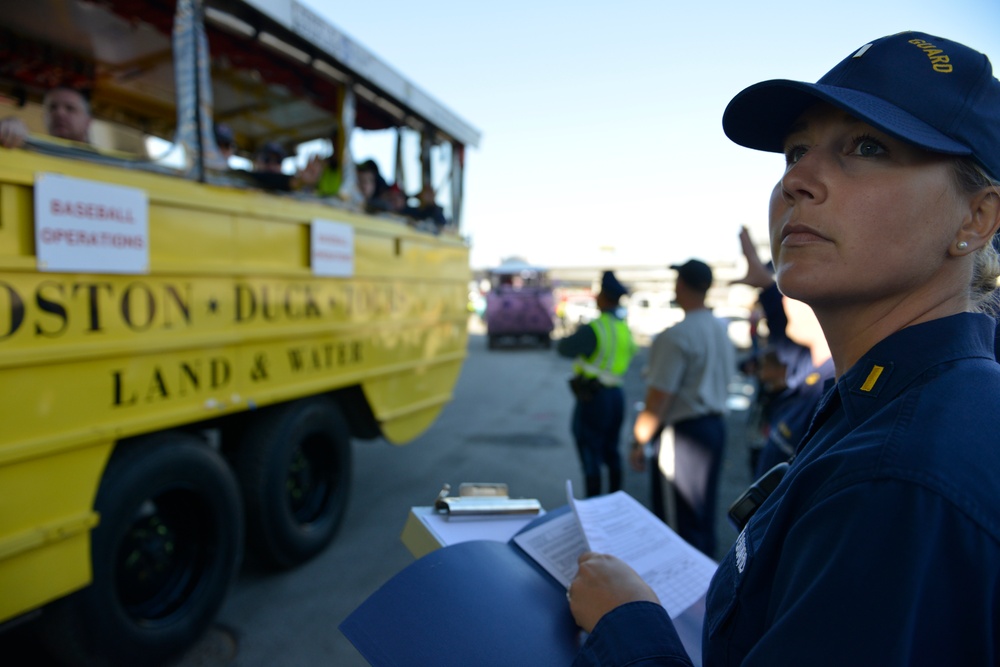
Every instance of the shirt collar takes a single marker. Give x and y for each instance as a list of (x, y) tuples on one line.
[(892, 364)]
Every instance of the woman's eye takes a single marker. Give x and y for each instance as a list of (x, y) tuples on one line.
[(868, 147), (794, 153)]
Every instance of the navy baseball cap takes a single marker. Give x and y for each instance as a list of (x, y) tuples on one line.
[(611, 287), (694, 273), (272, 148), (224, 135), (928, 91)]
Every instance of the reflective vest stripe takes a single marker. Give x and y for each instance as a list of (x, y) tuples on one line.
[(614, 351)]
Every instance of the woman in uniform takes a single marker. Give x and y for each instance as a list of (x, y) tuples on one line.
[(881, 544)]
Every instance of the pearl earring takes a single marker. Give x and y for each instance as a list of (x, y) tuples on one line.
[(961, 245)]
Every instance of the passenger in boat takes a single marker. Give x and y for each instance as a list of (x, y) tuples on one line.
[(225, 140), (331, 176), (427, 209), (268, 174), (269, 158), (376, 190), (396, 198), (66, 114)]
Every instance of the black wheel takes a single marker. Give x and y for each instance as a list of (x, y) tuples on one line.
[(167, 548), (294, 467), (491, 342), (545, 340)]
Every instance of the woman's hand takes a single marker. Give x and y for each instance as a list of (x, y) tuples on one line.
[(603, 583)]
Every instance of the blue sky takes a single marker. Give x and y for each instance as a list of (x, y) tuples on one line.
[(602, 139)]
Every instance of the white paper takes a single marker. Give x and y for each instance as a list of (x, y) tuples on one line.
[(619, 525), (571, 500), (556, 545)]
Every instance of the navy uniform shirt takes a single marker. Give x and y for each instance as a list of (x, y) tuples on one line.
[(881, 546), (581, 343)]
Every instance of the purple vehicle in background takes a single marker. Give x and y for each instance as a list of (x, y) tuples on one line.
[(519, 304)]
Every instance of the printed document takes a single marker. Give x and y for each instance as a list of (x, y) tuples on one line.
[(619, 525)]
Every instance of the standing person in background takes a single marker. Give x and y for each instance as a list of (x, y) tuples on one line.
[(881, 544), (796, 342), (66, 114), (690, 366), (603, 351), (770, 370)]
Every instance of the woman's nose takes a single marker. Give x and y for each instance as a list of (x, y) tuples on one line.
[(804, 179)]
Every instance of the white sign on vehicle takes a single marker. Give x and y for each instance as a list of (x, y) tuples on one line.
[(332, 248), (83, 225)]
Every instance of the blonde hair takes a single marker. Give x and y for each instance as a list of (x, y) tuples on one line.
[(972, 178)]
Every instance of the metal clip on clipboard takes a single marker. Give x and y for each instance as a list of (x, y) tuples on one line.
[(483, 500)]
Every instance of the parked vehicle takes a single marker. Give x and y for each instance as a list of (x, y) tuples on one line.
[(185, 354), (519, 304)]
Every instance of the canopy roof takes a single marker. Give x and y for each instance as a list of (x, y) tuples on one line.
[(279, 70)]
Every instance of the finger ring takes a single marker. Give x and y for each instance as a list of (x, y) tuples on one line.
[(568, 597)]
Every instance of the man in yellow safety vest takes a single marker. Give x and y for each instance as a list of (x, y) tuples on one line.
[(603, 350)]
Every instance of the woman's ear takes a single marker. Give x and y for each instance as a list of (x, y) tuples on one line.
[(981, 224)]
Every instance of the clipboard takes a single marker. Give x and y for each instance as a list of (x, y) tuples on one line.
[(476, 500)]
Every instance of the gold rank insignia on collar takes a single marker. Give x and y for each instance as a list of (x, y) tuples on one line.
[(871, 381)]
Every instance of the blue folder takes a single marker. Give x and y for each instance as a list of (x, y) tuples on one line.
[(477, 603)]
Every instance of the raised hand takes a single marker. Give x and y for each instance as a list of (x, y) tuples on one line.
[(758, 274), (13, 132)]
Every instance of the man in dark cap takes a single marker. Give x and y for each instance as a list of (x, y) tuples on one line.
[(267, 170), (603, 351), (225, 140), (269, 158), (690, 365)]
